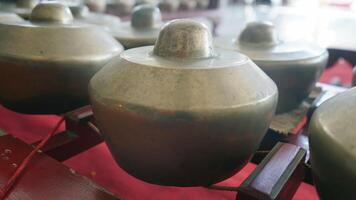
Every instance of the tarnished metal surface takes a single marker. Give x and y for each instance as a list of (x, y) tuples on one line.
[(198, 45), (46, 63), (142, 30), (332, 144), (82, 14), (181, 113), (293, 66)]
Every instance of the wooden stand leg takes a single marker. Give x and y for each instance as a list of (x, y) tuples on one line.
[(43, 178), (80, 135), (277, 177)]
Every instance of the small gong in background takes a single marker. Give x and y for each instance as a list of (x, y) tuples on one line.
[(293, 66), (142, 30), (82, 13), (46, 63)]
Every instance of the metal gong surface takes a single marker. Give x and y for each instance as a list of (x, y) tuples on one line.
[(181, 113), (293, 66), (332, 145), (46, 63), (82, 13), (142, 30)]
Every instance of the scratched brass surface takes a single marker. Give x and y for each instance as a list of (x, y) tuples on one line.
[(182, 113)]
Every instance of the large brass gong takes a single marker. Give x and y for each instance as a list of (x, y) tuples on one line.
[(182, 113), (333, 147)]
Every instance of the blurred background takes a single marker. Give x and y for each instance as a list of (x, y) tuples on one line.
[(329, 23)]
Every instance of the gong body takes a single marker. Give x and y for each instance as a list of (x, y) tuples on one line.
[(332, 145), (142, 30), (182, 115), (132, 38), (45, 66), (176, 127), (294, 79), (293, 66)]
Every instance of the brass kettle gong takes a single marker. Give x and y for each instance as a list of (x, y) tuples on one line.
[(182, 113), (332, 147), (293, 66), (46, 63), (142, 30)]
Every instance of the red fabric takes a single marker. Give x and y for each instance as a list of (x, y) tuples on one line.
[(21, 169), (340, 72), (98, 164)]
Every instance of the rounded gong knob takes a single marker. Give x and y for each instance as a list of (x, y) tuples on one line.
[(145, 16), (259, 33), (80, 11), (51, 12), (184, 38)]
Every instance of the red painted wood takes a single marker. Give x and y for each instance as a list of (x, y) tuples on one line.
[(44, 178), (80, 135)]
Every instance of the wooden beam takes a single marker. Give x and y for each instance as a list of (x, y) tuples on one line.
[(277, 177)]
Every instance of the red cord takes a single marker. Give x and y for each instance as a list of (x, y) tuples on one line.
[(7, 187)]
